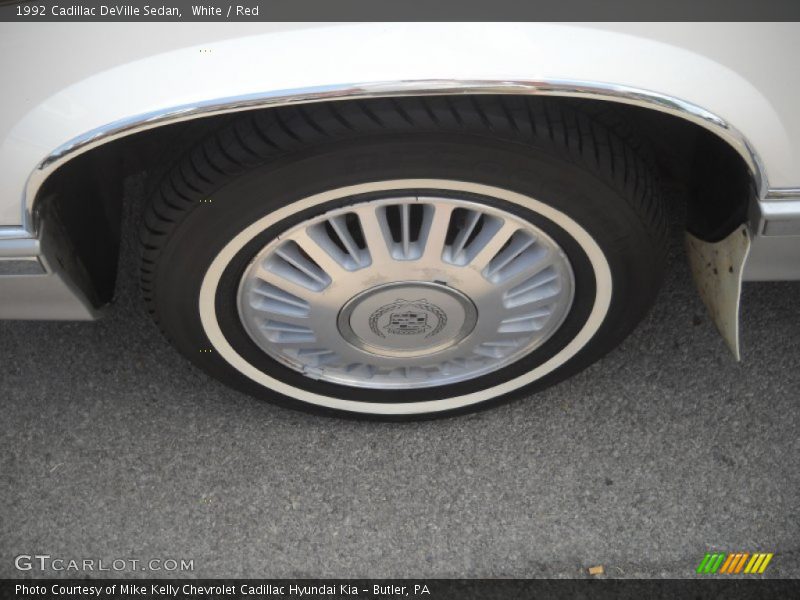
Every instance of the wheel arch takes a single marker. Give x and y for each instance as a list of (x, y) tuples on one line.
[(715, 164)]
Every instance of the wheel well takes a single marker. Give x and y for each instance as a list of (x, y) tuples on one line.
[(84, 196)]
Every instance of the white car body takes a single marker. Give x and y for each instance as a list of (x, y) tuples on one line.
[(71, 87)]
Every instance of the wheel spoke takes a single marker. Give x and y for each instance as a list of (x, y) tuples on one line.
[(493, 245), (296, 344), (532, 307), (282, 333), (376, 234), (340, 227), (436, 231), (405, 228), (281, 282), (466, 232), (298, 261), (531, 321), (539, 280), (284, 318), (265, 297), (513, 250), (332, 267)]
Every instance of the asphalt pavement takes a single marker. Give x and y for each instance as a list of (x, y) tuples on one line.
[(112, 446)]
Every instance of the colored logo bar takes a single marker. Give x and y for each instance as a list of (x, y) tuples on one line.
[(734, 563)]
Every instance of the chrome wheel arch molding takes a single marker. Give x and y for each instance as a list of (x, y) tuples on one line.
[(564, 88), (730, 79), (75, 301)]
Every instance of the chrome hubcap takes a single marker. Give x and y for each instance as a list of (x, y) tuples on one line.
[(407, 319), (406, 291)]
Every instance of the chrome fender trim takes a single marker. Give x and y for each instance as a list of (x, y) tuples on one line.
[(354, 91), (31, 229)]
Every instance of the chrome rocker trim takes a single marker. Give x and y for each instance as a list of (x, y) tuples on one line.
[(780, 213), (775, 228)]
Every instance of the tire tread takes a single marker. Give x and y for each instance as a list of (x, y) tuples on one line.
[(596, 139)]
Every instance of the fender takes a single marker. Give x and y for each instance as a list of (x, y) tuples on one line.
[(201, 74)]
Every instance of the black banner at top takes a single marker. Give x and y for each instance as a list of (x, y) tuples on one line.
[(399, 10)]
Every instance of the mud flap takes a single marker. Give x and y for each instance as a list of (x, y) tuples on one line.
[(717, 271)]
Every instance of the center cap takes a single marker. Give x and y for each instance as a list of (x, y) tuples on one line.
[(407, 318)]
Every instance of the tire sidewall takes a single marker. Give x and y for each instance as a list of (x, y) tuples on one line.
[(551, 178)]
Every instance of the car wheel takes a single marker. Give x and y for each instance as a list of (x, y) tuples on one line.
[(407, 258)]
